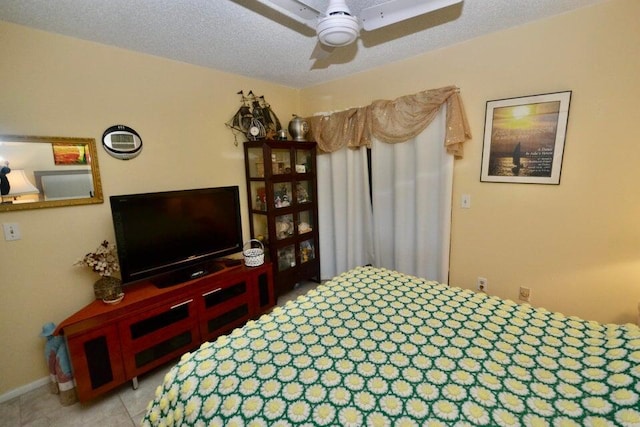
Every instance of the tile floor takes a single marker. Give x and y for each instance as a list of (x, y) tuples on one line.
[(122, 407)]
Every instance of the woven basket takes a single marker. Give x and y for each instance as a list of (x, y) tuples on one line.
[(253, 257)]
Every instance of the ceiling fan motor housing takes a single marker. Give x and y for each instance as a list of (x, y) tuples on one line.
[(338, 30), (338, 27)]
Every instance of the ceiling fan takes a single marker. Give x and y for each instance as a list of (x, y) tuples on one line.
[(337, 27)]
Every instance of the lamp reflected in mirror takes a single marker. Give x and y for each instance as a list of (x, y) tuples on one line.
[(19, 186)]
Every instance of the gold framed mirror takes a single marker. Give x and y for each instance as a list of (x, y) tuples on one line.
[(46, 172)]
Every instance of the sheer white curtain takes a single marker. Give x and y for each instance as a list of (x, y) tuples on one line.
[(412, 184), (408, 229), (344, 209)]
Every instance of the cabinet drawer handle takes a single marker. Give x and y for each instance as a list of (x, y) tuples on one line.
[(211, 292), (181, 304)]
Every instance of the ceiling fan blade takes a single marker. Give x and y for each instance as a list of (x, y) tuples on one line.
[(321, 51), (296, 10), (393, 11)]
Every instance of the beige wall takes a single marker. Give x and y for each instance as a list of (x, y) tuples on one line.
[(576, 245), (57, 86)]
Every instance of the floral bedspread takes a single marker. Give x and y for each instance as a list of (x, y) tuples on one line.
[(375, 347)]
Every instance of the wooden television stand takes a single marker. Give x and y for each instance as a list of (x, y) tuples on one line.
[(112, 344)]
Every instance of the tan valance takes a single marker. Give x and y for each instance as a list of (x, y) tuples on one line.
[(393, 121)]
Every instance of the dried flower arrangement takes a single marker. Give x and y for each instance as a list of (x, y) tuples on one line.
[(103, 260)]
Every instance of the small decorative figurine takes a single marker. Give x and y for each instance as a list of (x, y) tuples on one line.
[(304, 227), (55, 353), (301, 193), (284, 228), (282, 197), (306, 251)]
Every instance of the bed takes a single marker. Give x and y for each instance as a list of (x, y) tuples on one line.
[(379, 348)]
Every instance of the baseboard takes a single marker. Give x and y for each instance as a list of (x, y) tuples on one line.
[(16, 392)]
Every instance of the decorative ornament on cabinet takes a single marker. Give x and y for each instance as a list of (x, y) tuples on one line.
[(298, 128), (104, 261), (254, 119)]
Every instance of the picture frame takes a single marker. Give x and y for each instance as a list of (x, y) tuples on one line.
[(69, 154), (524, 139)]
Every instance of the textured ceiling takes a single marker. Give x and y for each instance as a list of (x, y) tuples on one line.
[(244, 37)]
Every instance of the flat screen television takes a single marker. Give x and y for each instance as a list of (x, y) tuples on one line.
[(174, 236)]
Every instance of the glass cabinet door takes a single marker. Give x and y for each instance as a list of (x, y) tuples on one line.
[(303, 161), (255, 162), (260, 228), (258, 196), (284, 226), (280, 161), (303, 192), (305, 222), (282, 194), (286, 258), (307, 251)]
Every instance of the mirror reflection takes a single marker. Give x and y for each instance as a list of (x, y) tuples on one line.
[(40, 172)]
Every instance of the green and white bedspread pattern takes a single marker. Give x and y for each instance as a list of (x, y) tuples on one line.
[(378, 348)]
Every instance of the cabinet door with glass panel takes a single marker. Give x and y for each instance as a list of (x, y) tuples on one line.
[(282, 198)]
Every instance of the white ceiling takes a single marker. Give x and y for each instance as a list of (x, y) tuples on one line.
[(244, 37)]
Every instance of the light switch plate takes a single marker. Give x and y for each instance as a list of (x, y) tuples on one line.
[(465, 202)]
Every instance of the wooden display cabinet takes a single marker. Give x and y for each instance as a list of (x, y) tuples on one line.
[(111, 344), (283, 207)]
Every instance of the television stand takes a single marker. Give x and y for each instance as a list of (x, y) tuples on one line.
[(109, 345), (187, 273), (231, 262)]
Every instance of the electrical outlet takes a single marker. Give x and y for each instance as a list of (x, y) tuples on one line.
[(482, 284), (11, 231), (524, 294)]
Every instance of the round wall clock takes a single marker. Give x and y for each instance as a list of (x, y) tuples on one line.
[(122, 142)]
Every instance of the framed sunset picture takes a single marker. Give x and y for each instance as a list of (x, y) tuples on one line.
[(524, 139)]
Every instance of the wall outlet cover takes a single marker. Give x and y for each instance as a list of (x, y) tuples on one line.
[(11, 231)]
